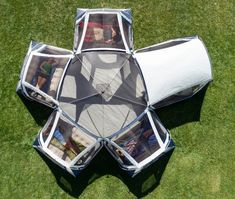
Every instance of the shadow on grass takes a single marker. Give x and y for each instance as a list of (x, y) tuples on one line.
[(182, 112), (39, 112), (143, 183), (104, 164)]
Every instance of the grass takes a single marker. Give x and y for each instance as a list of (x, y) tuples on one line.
[(203, 164)]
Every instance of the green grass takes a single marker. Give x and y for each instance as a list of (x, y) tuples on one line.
[(203, 164)]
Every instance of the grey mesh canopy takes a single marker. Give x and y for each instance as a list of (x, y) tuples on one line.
[(103, 94), (106, 91)]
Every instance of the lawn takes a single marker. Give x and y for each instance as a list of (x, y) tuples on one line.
[(203, 163)]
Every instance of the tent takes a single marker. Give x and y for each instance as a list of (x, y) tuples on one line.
[(104, 93)]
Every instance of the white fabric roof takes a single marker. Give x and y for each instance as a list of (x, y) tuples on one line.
[(170, 70)]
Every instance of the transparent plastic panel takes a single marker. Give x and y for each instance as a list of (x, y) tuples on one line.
[(119, 155), (40, 97), (127, 29), (101, 117), (103, 31), (103, 68), (51, 50), (44, 73), (68, 141), (87, 157), (47, 129), (139, 141), (160, 128), (78, 33)]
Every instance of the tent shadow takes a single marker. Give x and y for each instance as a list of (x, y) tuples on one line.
[(149, 178), (140, 185), (143, 183), (182, 112), (39, 112)]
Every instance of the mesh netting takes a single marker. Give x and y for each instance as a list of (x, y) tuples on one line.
[(103, 91)]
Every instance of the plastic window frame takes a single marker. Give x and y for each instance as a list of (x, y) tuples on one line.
[(28, 85), (160, 142), (87, 16), (54, 156)]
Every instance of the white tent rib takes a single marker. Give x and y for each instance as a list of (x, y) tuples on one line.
[(72, 120), (128, 100), (93, 123), (83, 34), (117, 73), (122, 33), (127, 115), (52, 130), (81, 99), (85, 67)]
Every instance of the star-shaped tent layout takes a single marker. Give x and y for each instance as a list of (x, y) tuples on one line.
[(104, 93)]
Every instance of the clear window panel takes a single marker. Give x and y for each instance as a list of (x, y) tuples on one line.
[(139, 141), (88, 156), (47, 129), (68, 141), (103, 31), (120, 155), (45, 73), (39, 97), (78, 33), (160, 128), (127, 32), (54, 51)]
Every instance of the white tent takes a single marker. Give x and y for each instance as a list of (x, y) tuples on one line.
[(179, 66), (104, 94)]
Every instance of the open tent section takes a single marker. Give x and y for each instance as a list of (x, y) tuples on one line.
[(140, 143), (95, 29), (66, 143), (42, 72), (103, 91)]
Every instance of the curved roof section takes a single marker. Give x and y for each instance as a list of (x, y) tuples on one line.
[(173, 66), (103, 91)]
